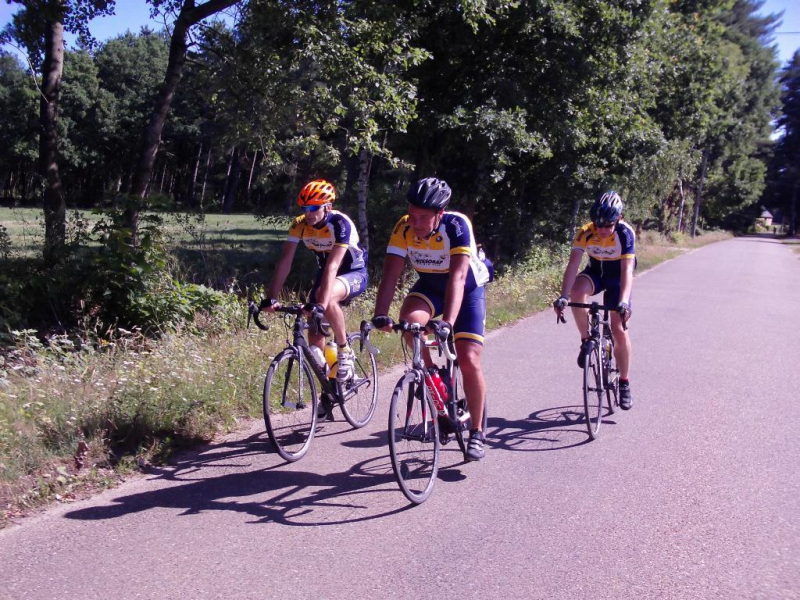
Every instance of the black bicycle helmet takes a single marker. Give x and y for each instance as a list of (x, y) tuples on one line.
[(606, 209), (430, 193)]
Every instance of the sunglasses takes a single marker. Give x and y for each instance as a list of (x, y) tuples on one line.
[(605, 225), (310, 209)]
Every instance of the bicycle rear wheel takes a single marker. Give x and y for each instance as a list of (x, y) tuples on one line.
[(413, 439), (290, 405), (459, 410), (360, 394), (593, 392)]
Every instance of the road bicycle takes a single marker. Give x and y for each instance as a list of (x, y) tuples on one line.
[(420, 419), (291, 403), (600, 373)]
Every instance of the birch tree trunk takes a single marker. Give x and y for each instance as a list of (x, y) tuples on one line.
[(699, 198), (55, 210), (364, 164)]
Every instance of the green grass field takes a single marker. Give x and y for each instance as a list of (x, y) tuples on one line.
[(213, 249)]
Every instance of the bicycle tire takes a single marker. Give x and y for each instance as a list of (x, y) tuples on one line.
[(413, 439), (611, 381), (359, 395), (593, 392), (459, 405), (290, 406)]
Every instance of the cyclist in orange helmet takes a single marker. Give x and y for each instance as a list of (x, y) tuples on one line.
[(342, 274)]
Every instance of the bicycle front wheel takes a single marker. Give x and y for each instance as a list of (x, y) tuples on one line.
[(612, 381), (413, 439), (593, 392), (290, 405), (360, 393)]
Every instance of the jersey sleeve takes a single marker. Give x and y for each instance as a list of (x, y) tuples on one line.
[(341, 231), (458, 230), (582, 237), (296, 230), (398, 244), (627, 241)]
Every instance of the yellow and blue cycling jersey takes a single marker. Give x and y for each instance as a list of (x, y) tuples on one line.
[(606, 254), (336, 230), (430, 257)]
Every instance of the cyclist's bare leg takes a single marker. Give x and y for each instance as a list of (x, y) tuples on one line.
[(469, 359), (335, 317), (581, 290), (622, 345), (416, 310)]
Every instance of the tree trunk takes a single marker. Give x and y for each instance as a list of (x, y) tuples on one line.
[(793, 209), (163, 175), (189, 15), (55, 211), (227, 177), (233, 182), (290, 196), (252, 170), (205, 178), (700, 191), (193, 181), (683, 202), (576, 206), (364, 164)]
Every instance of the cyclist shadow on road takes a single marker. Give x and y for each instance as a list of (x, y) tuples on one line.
[(277, 493), (555, 428)]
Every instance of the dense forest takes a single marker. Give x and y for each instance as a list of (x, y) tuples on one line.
[(527, 108)]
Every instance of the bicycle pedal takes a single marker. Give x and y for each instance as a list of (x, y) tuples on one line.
[(445, 438)]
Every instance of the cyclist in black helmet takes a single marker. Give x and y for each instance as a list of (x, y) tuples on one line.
[(610, 244), (441, 247)]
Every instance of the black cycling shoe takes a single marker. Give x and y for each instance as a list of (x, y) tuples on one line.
[(475, 447), (625, 400), (325, 409), (586, 348)]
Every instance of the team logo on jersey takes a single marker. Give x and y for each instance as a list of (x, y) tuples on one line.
[(436, 242)]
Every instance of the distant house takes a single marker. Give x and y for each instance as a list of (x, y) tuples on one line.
[(765, 218)]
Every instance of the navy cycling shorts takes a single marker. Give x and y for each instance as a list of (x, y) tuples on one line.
[(609, 285), (355, 282), (471, 321)]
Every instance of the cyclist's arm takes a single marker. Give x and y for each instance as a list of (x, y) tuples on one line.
[(626, 279), (329, 276), (392, 268), (282, 269), (454, 294), (571, 272)]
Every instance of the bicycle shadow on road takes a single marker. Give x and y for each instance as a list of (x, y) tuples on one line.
[(276, 493), (556, 428)]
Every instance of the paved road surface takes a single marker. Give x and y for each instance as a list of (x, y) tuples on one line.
[(692, 494)]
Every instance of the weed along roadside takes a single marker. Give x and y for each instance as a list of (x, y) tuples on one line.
[(74, 421)]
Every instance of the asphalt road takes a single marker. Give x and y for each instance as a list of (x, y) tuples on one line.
[(695, 493)]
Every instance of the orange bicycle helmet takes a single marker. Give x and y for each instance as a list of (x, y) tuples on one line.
[(316, 193)]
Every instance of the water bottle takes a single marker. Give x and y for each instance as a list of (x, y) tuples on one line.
[(606, 349), (319, 358), (436, 389), (331, 358)]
